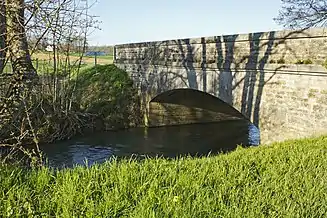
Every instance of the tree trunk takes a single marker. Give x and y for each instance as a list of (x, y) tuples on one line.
[(16, 37), (2, 35)]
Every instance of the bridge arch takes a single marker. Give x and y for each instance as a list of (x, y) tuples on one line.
[(189, 106)]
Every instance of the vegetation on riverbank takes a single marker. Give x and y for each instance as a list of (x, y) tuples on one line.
[(96, 98), (280, 180), (108, 92), (41, 61)]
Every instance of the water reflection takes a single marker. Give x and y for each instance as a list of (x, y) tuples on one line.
[(195, 139)]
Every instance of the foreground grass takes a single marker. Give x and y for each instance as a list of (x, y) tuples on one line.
[(282, 180)]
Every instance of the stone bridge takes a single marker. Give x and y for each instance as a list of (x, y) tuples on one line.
[(277, 80)]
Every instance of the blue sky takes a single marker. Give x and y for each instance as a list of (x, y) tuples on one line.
[(125, 21)]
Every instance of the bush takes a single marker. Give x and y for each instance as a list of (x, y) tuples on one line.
[(325, 64), (107, 92), (98, 98), (281, 61), (307, 61)]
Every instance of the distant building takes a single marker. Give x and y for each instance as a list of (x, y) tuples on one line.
[(49, 48)]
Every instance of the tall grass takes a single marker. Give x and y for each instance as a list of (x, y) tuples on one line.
[(286, 179)]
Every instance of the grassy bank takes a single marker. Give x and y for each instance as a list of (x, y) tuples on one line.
[(282, 180)]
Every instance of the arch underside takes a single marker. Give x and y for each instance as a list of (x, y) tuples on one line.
[(189, 106)]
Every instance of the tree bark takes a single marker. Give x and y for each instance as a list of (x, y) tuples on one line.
[(2, 35), (16, 37)]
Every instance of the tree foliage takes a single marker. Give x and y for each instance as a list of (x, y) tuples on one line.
[(303, 13)]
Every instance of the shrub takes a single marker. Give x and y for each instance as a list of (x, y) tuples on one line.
[(281, 61), (107, 92), (325, 64), (306, 61)]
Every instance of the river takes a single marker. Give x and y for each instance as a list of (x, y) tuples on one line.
[(170, 142)]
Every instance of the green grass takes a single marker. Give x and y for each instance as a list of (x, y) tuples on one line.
[(44, 64), (110, 57), (107, 57), (286, 179)]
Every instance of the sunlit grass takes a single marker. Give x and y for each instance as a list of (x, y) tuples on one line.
[(44, 64), (286, 179), (74, 58)]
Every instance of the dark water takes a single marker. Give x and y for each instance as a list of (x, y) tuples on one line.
[(173, 141)]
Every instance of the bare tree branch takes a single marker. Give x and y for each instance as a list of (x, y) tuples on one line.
[(303, 13), (24, 25)]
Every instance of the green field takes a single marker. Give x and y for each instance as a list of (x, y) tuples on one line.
[(43, 62), (286, 179), (74, 57)]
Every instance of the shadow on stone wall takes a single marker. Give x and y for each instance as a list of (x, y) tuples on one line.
[(254, 68), (161, 64)]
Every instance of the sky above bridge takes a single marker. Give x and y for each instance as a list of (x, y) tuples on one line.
[(126, 21)]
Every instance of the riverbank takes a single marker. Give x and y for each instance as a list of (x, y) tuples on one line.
[(98, 98), (285, 179)]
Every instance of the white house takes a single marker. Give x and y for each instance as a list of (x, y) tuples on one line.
[(49, 48)]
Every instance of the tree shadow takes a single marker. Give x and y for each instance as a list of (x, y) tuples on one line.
[(255, 71), (251, 74), (225, 78), (204, 64), (187, 59), (175, 64)]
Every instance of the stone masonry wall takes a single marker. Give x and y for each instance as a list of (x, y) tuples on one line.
[(276, 79)]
